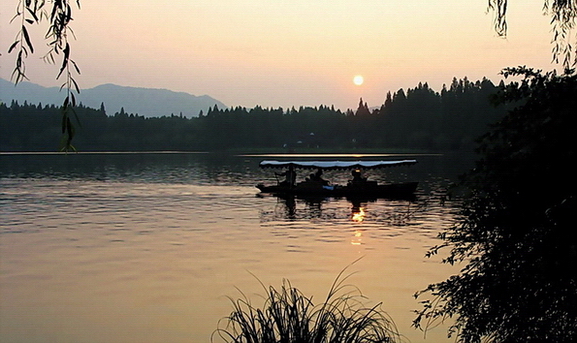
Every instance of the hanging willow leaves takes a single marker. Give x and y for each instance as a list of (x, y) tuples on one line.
[(27, 39), (65, 60), (563, 14), (59, 15), (500, 9)]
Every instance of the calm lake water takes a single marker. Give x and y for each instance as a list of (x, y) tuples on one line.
[(146, 247)]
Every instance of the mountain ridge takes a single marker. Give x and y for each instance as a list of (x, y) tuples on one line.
[(148, 102)]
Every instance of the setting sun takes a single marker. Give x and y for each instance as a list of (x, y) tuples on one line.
[(358, 80)]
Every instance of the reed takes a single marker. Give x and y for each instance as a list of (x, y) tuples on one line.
[(288, 316)]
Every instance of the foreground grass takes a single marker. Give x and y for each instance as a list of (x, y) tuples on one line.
[(288, 316)]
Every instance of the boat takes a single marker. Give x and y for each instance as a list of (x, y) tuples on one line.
[(357, 188)]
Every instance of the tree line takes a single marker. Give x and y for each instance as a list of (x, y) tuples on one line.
[(418, 118), (515, 238)]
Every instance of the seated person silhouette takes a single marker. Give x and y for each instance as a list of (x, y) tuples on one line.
[(318, 177), (357, 177)]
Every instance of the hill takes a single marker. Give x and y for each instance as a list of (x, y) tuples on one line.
[(147, 102)]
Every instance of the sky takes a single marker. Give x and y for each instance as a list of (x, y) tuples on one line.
[(285, 53)]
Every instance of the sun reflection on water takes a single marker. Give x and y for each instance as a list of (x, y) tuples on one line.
[(358, 215), (358, 237)]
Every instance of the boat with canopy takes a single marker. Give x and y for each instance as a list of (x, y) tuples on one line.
[(357, 187)]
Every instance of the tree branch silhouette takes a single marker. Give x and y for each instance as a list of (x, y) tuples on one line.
[(562, 13), (58, 14)]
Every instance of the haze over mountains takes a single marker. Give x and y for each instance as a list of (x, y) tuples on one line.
[(148, 102)]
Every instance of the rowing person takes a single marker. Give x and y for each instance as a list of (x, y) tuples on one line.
[(290, 177)]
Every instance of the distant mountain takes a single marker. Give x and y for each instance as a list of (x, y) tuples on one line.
[(148, 102)]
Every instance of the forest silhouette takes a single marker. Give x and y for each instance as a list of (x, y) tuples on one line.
[(418, 118), (516, 238)]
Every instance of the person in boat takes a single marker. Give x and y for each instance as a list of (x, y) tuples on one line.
[(290, 177), (357, 177), (318, 177)]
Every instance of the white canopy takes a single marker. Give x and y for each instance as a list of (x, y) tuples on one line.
[(335, 164)]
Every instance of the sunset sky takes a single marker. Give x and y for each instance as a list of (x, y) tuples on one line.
[(283, 53)]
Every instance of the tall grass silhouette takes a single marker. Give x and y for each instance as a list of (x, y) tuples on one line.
[(288, 316)]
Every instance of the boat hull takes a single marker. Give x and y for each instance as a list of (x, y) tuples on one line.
[(370, 190)]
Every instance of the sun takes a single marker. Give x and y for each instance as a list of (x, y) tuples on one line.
[(358, 80)]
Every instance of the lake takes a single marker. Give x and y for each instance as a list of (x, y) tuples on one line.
[(147, 247)]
